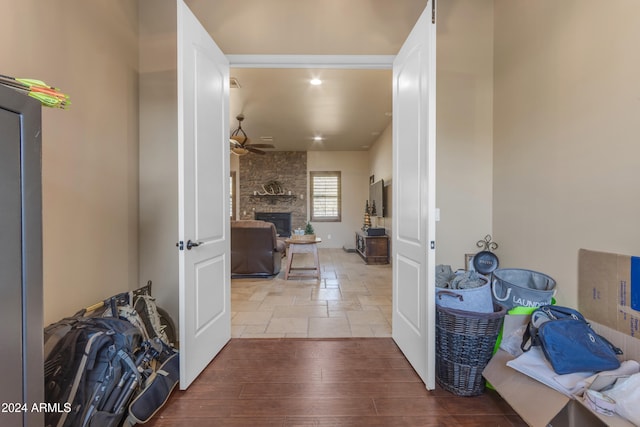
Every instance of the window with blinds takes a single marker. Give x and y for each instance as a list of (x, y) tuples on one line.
[(325, 196)]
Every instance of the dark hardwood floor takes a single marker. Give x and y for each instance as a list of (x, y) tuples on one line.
[(322, 382)]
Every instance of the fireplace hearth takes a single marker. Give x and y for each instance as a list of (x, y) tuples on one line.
[(282, 221)]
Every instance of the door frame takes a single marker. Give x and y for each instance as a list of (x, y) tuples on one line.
[(356, 62)]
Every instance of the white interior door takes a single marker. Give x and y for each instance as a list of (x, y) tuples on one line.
[(414, 197), (203, 141)]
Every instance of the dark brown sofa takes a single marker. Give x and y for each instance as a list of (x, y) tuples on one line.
[(255, 249)]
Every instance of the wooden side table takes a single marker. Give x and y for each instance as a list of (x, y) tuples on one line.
[(302, 247)]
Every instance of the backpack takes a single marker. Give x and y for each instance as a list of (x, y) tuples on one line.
[(91, 372), (543, 314), (54, 333), (163, 376), (140, 309), (145, 306), (568, 342)]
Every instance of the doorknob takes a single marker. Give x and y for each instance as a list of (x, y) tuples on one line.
[(191, 244)]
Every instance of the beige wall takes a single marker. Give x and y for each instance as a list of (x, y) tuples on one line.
[(90, 152), (464, 127), (567, 152), (354, 168), (234, 166), (564, 128), (464, 130), (158, 228), (381, 167), (380, 156)]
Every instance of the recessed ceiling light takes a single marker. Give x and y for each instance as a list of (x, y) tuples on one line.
[(315, 82), (317, 138)]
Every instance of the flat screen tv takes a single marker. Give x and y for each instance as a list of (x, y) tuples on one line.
[(376, 198)]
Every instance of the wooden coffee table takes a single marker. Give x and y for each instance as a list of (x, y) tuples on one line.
[(298, 246)]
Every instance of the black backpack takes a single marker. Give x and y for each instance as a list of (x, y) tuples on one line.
[(91, 372)]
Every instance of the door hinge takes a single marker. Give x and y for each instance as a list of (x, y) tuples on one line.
[(433, 244), (433, 11), (180, 245)]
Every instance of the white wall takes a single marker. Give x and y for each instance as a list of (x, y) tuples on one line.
[(464, 127), (567, 152), (354, 168), (90, 152)]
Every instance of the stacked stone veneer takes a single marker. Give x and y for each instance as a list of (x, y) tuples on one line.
[(288, 167)]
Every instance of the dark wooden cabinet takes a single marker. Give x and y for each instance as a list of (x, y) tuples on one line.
[(373, 249)]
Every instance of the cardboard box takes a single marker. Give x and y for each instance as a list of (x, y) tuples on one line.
[(537, 404), (609, 290)]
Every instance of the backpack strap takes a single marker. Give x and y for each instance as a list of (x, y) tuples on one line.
[(129, 362), (615, 349), (530, 336), (79, 373), (526, 339)]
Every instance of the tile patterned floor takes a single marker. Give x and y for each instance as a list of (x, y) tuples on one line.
[(351, 299)]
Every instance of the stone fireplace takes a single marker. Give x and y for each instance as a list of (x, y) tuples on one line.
[(282, 221), (289, 168)]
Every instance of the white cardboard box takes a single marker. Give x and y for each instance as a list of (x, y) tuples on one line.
[(537, 404)]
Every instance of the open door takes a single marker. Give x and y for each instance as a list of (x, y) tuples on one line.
[(414, 197), (203, 170)]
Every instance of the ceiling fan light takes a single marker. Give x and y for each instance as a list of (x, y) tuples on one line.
[(240, 142), (240, 151), (240, 139), (238, 134)]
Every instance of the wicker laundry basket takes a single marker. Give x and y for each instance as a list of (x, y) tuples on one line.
[(464, 345)]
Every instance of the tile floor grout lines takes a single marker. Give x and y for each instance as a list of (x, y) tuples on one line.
[(351, 299)]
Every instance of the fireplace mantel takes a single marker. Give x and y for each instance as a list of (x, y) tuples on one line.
[(273, 198)]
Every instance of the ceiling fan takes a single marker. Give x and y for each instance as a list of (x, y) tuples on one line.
[(240, 142)]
